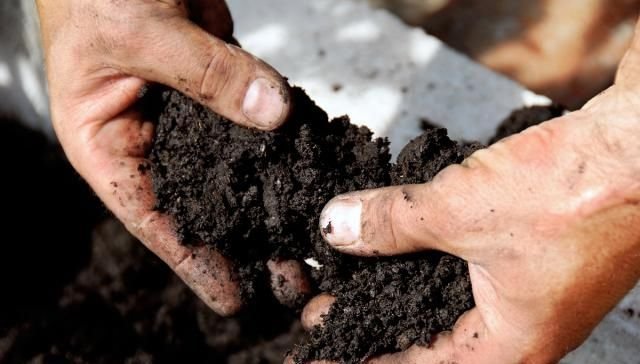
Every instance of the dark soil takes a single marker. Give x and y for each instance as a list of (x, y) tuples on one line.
[(426, 124), (126, 306), (258, 195), (48, 214), (526, 117)]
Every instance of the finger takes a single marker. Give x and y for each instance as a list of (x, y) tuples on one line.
[(204, 270), (313, 313), (223, 77), (113, 170), (289, 283), (213, 16), (403, 219)]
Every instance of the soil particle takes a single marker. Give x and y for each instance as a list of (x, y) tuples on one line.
[(327, 229), (426, 124), (630, 312)]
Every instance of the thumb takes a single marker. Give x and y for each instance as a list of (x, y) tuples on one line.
[(403, 219), (223, 77)]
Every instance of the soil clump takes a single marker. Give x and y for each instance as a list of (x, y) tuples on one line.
[(526, 117), (258, 195)]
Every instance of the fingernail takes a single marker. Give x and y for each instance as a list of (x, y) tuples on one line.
[(340, 221), (264, 103)]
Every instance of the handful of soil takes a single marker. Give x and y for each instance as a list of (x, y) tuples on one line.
[(257, 195), (106, 299)]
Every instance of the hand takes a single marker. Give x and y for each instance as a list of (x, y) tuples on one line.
[(99, 55), (547, 220)]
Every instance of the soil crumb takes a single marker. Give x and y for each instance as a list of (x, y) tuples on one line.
[(426, 124)]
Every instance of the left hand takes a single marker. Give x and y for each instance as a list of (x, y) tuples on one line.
[(99, 55)]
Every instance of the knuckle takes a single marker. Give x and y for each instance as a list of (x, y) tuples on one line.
[(217, 75), (392, 210), (125, 28), (478, 159), (121, 39), (542, 135), (454, 172)]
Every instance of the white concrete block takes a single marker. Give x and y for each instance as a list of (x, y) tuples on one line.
[(363, 62)]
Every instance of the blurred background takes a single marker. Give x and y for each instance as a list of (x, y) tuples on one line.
[(565, 49)]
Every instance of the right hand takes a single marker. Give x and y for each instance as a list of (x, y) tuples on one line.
[(547, 220), (99, 54)]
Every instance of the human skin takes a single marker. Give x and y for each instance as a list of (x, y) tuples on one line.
[(99, 55), (547, 220)]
